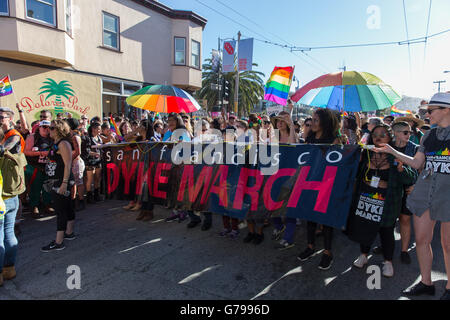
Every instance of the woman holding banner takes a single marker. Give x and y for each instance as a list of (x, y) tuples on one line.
[(377, 199), (324, 130), (429, 201), (285, 126)]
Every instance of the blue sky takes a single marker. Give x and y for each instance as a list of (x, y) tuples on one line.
[(307, 23)]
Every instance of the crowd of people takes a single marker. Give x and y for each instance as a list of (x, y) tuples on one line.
[(64, 174)]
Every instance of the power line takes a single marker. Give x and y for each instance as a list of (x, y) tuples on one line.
[(426, 35), (253, 31), (407, 38)]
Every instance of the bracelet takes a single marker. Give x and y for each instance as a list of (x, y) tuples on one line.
[(66, 181), (20, 111)]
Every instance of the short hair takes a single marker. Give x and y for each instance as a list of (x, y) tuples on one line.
[(73, 123), (105, 126), (400, 124), (375, 121), (242, 123)]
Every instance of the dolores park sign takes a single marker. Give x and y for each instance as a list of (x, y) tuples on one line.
[(59, 91)]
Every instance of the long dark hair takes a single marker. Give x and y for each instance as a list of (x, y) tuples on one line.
[(389, 132), (329, 124), (93, 124), (178, 119)]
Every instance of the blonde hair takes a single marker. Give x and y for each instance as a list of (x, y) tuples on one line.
[(62, 128)]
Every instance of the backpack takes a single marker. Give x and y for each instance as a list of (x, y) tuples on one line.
[(12, 171)]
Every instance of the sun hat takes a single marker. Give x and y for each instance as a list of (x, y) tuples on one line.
[(410, 117), (441, 99)]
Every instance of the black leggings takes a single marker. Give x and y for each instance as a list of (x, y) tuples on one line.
[(327, 234), (64, 210), (387, 243)]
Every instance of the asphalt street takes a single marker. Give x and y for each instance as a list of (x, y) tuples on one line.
[(121, 258)]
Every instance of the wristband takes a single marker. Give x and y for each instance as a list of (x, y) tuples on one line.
[(20, 111)]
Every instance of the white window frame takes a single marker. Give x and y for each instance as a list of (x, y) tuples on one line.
[(7, 10), (175, 51), (117, 32), (68, 14), (42, 21), (192, 53)]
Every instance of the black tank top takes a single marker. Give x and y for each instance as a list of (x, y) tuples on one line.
[(54, 169), (43, 144)]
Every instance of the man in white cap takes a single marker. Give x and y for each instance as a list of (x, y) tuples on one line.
[(430, 201)]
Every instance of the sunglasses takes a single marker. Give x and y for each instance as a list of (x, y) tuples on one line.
[(406, 132), (51, 128), (266, 122), (430, 111), (381, 135), (45, 127), (307, 124)]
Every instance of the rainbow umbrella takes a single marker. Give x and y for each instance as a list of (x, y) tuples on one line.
[(349, 90), (164, 99)]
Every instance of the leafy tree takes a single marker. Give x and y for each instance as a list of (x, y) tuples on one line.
[(251, 88)]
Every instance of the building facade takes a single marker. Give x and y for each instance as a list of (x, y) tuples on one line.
[(86, 57)]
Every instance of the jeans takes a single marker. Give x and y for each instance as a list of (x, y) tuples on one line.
[(291, 224), (8, 240)]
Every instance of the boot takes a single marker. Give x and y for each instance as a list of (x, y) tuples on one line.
[(97, 197), (82, 204), (9, 273), (90, 197), (141, 215), (148, 215)]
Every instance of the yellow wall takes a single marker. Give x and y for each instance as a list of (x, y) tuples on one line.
[(27, 81)]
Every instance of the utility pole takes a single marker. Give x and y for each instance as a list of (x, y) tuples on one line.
[(439, 84), (219, 101), (236, 87)]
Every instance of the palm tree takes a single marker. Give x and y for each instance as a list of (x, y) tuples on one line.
[(251, 87), (57, 89)]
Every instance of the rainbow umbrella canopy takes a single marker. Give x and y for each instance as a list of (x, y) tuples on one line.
[(347, 91), (164, 99)]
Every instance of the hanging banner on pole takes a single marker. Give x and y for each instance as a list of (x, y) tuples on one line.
[(245, 55), (229, 48)]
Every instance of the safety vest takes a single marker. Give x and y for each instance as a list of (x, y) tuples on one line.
[(14, 132)]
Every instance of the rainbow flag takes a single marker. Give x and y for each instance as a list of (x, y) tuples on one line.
[(114, 128), (398, 113), (5, 86), (278, 86)]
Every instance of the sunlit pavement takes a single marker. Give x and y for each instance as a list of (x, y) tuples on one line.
[(121, 258)]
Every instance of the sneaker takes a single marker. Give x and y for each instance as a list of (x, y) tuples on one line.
[(276, 234), (249, 238), (182, 216), (233, 234), (326, 262), (283, 245), (361, 261), (306, 254), (53, 246), (225, 232), (206, 226), (419, 289), (388, 269), (69, 236), (377, 250), (405, 258), (446, 295), (175, 215), (193, 224), (258, 238)]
